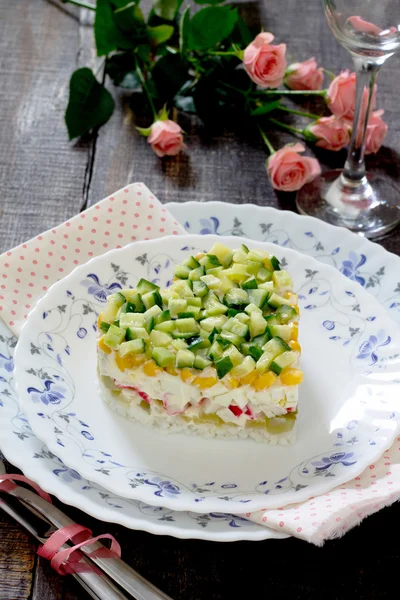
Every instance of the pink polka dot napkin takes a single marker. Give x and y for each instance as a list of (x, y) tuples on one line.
[(133, 213), (27, 271)]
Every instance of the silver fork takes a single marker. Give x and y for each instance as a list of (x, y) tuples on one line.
[(42, 519)]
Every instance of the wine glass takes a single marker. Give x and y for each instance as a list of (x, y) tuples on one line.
[(365, 203)]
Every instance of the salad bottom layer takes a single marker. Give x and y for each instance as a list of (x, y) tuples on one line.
[(130, 404)]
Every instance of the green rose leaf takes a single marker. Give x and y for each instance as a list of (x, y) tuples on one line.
[(266, 108), (129, 17), (166, 9), (185, 103), (122, 70), (184, 26), (210, 26), (90, 105), (107, 34), (161, 33), (169, 75)]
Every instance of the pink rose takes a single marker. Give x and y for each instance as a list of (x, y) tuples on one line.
[(166, 138), (265, 63), (332, 133), (342, 96), (376, 132), (305, 76), (363, 26), (289, 171)]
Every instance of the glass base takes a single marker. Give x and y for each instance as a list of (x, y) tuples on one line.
[(370, 207)]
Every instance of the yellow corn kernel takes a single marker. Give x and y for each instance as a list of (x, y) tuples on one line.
[(129, 361), (151, 369), (205, 382), (103, 346), (291, 376), (296, 308), (199, 255), (295, 346), (250, 378), (186, 375), (265, 381), (99, 320), (233, 382), (172, 371), (294, 334)]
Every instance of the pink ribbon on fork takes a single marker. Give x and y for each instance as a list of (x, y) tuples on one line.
[(66, 561)]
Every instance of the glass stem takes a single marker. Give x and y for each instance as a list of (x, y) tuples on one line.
[(354, 168)]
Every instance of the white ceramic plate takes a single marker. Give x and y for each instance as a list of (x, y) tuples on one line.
[(350, 359)]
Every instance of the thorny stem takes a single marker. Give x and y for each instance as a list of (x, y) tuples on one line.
[(143, 82)]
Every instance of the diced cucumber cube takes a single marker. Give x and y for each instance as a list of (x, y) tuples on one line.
[(159, 338), (268, 286), (179, 344), (200, 289), (145, 286), (276, 265), (236, 298), (135, 304), (176, 306), (114, 336), (163, 357), (242, 317), (252, 267), (212, 335), (149, 324), (211, 323), (236, 327), (195, 274), (237, 272), (183, 288), (252, 308), (184, 358), (134, 333), (282, 281), (114, 302), (210, 261), (187, 325), (223, 253), (223, 366), (165, 315), (191, 312), (201, 362), (213, 306), (286, 313), (244, 368), (258, 297), (264, 275), (216, 271), (223, 342), (132, 347), (212, 282), (195, 302), (233, 353), (272, 349), (250, 284), (275, 300), (282, 331), (191, 262), (232, 338), (181, 272), (166, 326), (131, 320), (154, 311), (240, 255), (257, 255), (261, 340), (167, 294), (226, 284), (287, 359), (104, 326), (196, 343), (215, 351), (151, 299), (257, 324)]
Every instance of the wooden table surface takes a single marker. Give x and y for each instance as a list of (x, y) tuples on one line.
[(45, 179)]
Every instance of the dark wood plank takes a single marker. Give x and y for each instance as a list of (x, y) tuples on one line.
[(41, 173), (17, 556)]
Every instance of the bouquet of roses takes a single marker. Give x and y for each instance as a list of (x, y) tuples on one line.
[(211, 64)]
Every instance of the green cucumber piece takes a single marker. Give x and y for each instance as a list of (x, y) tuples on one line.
[(250, 284), (223, 253), (264, 275), (234, 354), (258, 297), (272, 349), (216, 271), (114, 336), (132, 347), (248, 348), (236, 298), (212, 335), (276, 301), (237, 272), (159, 338), (163, 357), (215, 351), (211, 323), (196, 343), (232, 338), (252, 267), (179, 344), (165, 315), (116, 323), (195, 274), (166, 326), (184, 358), (286, 313), (261, 340), (244, 368), (210, 261), (149, 324), (223, 366), (144, 286), (252, 308), (242, 317), (282, 280), (134, 333), (200, 289), (154, 311), (282, 331), (212, 282), (131, 320), (287, 359), (181, 272), (275, 263), (176, 306), (257, 324), (114, 302), (223, 342), (201, 362), (192, 301), (232, 312), (135, 304), (104, 326), (257, 255), (237, 327), (151, 299), (182, 287), (272, 319), (213, 306), (187, 325), (191, 262)]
